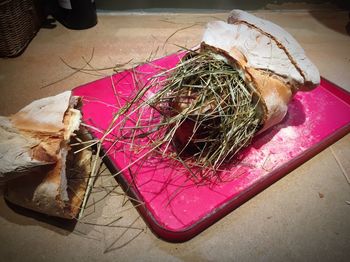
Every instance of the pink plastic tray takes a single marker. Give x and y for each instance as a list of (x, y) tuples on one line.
[(176, 207)]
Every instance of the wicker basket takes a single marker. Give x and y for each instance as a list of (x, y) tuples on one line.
[(19, 22)]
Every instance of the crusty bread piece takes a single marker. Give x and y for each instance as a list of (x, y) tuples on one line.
[(39, 165), (44, 115), (20, 153), (33, 136), (56, 191), (268, 58), (286, 42)]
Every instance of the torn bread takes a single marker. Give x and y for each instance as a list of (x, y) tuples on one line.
[(42, 172), (33, 136), (268, 58), (56, 191)]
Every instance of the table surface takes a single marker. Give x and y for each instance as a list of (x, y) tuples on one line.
[(303, 216)]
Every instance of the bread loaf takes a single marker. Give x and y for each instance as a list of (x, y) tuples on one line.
[(268, 58)]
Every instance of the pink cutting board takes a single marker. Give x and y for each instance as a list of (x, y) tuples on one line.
[(175, 206)]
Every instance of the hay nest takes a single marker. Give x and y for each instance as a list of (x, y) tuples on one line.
[(209, 111)]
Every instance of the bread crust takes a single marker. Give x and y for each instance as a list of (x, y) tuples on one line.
[(285, 41)]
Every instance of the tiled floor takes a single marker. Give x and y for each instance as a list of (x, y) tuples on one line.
[(304, 216)]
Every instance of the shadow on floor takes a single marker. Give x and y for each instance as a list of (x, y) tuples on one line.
[(22, 216)]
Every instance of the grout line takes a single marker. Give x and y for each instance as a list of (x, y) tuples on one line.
[(340, 165)]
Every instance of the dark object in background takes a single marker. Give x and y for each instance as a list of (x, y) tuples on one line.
[(20, 20), (75, 14)]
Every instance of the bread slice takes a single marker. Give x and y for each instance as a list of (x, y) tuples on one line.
[(268, 58)]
